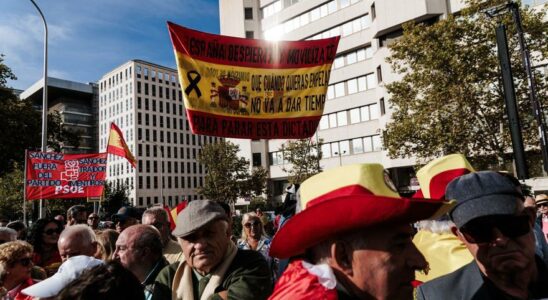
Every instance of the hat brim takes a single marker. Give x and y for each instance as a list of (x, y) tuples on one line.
[(542, 201), (47, 288), (497, 204), (341, 214)]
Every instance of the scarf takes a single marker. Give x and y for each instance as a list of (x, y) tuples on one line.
[(182, 281)]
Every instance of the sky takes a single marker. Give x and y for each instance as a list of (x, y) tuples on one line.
[(89, 38)]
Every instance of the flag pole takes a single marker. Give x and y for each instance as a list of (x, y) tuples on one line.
[(25, 190)]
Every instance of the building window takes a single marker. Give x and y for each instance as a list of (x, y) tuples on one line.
[(249, 35), (257, 159), (383, 109), (379, 74), (373, 11), (248, 13)]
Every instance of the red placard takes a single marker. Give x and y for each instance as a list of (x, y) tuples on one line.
[(58, 175)]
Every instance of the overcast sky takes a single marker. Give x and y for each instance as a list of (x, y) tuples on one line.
[(89, 38)]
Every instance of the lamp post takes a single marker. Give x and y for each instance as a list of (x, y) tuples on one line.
[(154, 144), (340, 156), (44, 95)]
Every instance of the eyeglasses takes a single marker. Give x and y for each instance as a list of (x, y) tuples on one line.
[(542, 205), (25, 262), (249, 224), (481, 230), (51, 231)]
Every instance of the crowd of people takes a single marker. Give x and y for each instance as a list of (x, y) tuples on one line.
[(345, 233)]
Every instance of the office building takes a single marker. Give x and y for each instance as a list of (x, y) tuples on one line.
[(145, 101)]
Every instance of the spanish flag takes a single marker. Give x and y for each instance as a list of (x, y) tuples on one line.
[(117, 145), (252, 89), (173, 213)]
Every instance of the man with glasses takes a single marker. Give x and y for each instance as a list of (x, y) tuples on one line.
[(93, 221), (157, 217), (542, 219), (491, 221)]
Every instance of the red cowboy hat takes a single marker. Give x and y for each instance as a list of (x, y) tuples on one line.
[(345, 199), (436, 175)]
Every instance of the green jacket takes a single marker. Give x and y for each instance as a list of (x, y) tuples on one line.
[(247, 278)]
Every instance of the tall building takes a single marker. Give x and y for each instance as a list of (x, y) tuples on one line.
[(357, 107), (76, 104), (145, 101)]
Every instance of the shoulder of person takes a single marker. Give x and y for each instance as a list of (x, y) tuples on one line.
[(454, 282), (166, 274)]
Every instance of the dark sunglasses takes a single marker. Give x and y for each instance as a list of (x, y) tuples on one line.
[(481, 230), (542, 205), (25, 262), (249, 224), (51, 231)]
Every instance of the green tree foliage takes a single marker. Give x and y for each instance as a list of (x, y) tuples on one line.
[(304, 157), (228, 176), (450, 98), (115, 197), (21, 126), (11, 194)]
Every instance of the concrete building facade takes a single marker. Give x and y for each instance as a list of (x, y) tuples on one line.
[(145, 101)]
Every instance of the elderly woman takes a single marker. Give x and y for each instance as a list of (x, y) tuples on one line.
[(43, 236), (15, 269), (254, 238)]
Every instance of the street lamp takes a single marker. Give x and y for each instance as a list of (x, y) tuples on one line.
[(161, 168), (340, 156), (44, 95)]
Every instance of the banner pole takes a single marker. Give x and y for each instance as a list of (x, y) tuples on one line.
[(25, 190)]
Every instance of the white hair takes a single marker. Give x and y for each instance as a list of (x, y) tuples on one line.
[(82, 231), (435, 226)]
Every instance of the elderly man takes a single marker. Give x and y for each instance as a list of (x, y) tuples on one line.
[(542, 219), (77, 240), (157, 217), (76, 215), (213, 268), (7, 235), (354, 233), (125, 217), (139, 249), (491, 221)]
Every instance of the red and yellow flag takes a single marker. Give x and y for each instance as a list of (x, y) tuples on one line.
[(253, 89), (117, 145)]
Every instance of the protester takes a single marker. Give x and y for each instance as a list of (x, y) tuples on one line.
[(7, 235), (542, 219), (77, 240), (214, 268), (43, 236), (541, 246), (61, 219), (76, 214), (15, 270), (70, 270), (491, 221), (157, 217), (20, 228), (125, 217), (108, 281), (443, 251), (106, 243), (354, 233), (93, 221), (139, 249), (254, 238)]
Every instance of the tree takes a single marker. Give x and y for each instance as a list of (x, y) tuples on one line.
[(304, 157), (228, 177), (22, 126), (116, 196), (11, 194), (450, 98)]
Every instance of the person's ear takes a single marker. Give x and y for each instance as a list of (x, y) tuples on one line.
[(341, 257), (456, 232)]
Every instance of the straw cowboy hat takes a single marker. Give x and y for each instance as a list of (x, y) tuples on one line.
[(436, 175), (541, 199), (347, 198)]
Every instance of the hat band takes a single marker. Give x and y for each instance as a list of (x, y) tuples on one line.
[(354, 190), (439, 182)]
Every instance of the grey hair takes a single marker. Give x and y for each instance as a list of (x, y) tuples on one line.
[(158, 212), (436, 226), (81, 230), (11, 233)]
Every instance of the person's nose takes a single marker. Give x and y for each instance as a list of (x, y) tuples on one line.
[(499, 239)]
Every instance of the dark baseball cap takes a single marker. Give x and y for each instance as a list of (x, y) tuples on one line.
[(126, 212), (481, 194), (196, 215)]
